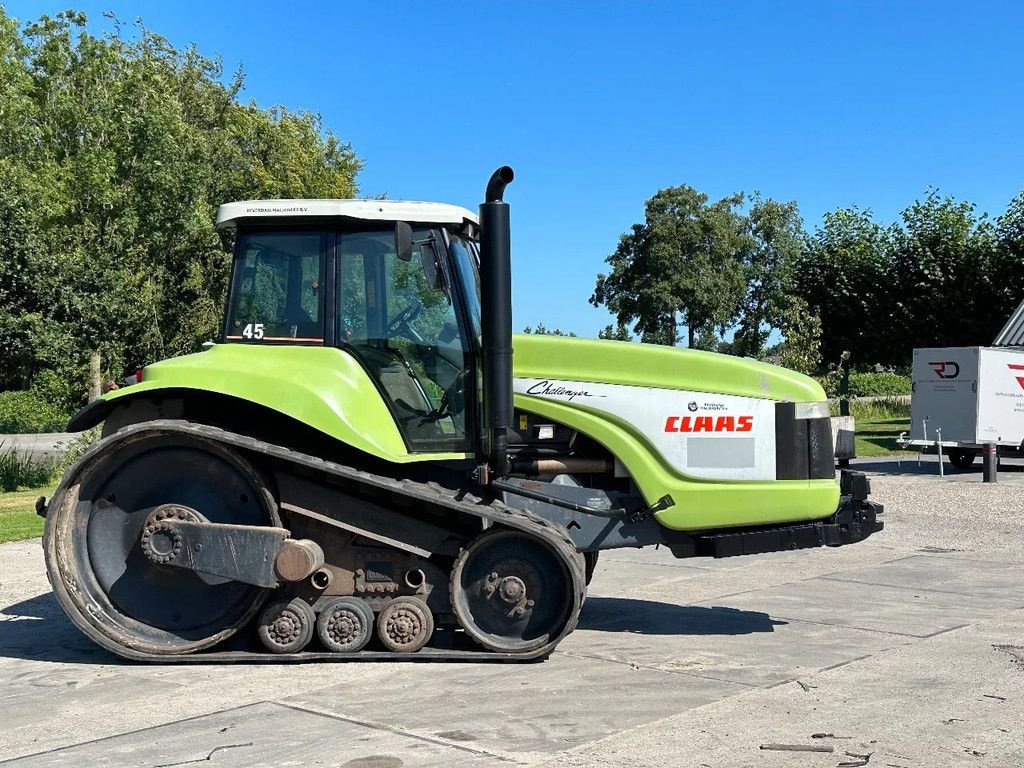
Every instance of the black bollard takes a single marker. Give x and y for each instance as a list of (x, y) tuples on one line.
[(990, 457)]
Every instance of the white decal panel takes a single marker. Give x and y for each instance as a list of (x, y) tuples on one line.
[(715, 437)]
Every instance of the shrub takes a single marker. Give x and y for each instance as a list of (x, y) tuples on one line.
[(886, 409), (75, 449), (878, 384), (30, 412), (22, 471)]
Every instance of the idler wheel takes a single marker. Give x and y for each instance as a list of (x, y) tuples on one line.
[(405, 624), (345, 625), (286, 626), (512, 592), (111, 542)]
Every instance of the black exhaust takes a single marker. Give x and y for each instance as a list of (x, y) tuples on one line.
[(496, 319)]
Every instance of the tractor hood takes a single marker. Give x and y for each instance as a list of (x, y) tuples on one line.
[(567, 359)]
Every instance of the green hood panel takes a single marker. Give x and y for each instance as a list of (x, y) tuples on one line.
[(650, 365), (323, 387), (699, 504)]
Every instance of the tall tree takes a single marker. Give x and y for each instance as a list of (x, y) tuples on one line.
[(119, 151), (941, 272), (778, 239), (1006, 270), (842, 276), (685, 265)]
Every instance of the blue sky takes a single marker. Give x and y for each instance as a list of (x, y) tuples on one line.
[(597, 105)]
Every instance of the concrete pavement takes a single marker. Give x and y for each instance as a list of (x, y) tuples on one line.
[(906, 648), (49, 445)]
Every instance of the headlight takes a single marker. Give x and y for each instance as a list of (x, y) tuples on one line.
[(812, 410)]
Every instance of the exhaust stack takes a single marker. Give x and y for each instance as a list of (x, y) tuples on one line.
[(496, 319)]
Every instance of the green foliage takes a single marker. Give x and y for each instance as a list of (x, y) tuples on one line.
[(878, 384), (800, 349), (842, 276), (776, 230), (685, 265), (23, 412), (617, 332), (884, 410), (941, 276), (114, 154), (543, 330), (22, 471), (74, 449)]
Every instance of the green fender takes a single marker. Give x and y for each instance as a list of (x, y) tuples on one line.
[(323, 387)]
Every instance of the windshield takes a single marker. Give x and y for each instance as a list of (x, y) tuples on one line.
[(465, 256), (275, 291)]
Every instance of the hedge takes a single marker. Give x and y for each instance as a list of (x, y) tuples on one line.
[(23, 412), (878, 384)]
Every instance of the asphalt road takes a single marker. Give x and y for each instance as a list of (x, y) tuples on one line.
[(907, 648)]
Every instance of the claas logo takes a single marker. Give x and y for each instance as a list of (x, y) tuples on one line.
[(709, 423), (1019, 376), (946, 369)]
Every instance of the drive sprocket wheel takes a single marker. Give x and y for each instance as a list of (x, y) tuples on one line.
[(286, 626), (106, 544), (405, 624), (345, 625), (512, 592)]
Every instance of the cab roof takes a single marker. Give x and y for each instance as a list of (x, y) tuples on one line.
[(230, 214)]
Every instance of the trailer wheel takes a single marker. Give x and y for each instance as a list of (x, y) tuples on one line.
[(962, 458)]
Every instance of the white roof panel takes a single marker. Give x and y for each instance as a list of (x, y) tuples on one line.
[(369, 210), (1012, 334)]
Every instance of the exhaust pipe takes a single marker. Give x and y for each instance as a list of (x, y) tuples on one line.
[(496, 319)]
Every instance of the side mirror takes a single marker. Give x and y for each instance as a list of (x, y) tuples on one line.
[(403, 240)]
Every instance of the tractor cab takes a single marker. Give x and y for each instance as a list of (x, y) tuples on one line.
[(394, 284)]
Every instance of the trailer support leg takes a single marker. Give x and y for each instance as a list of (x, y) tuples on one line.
[(991, 466), (938, 449)]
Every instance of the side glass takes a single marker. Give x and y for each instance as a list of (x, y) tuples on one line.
[(399, 318), (275, 288)]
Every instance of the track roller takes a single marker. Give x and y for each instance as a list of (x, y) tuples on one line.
[(286, 626), (405, 624), (345, 625), (513, 592)]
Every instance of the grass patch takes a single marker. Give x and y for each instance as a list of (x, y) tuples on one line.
[(20, 470), (878, 438), (18, 518)]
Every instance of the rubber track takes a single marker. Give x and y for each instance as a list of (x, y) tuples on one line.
[(431, 493)]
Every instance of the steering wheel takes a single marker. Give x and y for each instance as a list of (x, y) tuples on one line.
[(401, 324)]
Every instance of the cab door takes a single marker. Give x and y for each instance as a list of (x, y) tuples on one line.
[(404, 322)]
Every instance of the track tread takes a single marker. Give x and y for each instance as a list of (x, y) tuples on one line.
[(430, 492)]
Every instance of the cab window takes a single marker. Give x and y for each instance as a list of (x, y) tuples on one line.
[(399, 318), (276, 288)]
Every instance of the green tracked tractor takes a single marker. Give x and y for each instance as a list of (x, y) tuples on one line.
[(361, 468)]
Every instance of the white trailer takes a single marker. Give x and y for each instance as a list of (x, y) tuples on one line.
[(967, 397)]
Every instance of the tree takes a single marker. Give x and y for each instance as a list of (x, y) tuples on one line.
[(1006, 281), (778, 239), (683, 266), (941, 273), (618, 332), (842, 276), (542, 330), (117, 153)]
